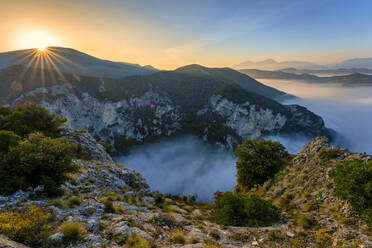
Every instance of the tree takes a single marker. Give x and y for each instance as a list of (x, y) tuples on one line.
[(8, 139), (354, 183), (258, 160), (38, 160), (239, 209), (29, 118)]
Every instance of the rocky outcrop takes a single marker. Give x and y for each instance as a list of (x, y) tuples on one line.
[(89, 144), (6, 243), (304, 190), (154, 115), (312, 216)]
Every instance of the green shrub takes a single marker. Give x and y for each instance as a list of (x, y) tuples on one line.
[(8, 139), (354, 183), (72, 231), (305, 221), (28, 225), (109, 207), (329, 153), (29, 118), (58, 203), (178, 238), (136, 241), (74, 202), (214, 234), (108, 147), (258, 160), (237, 209), (159, 200), (38, 160)]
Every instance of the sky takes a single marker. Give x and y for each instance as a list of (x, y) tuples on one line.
[(171, 33)]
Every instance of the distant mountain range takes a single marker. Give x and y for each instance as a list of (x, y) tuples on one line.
[(341, 71), (271, 64), (72, 61), (348, 80), (228, 75)]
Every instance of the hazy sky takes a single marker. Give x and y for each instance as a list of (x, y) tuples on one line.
[(171, 33)]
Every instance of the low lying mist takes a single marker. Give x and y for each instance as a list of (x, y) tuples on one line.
[(184, 166), (188, 165), (347, 110)]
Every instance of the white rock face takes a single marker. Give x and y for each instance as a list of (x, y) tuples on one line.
[(244, 119), (155, 115), (106, 119)]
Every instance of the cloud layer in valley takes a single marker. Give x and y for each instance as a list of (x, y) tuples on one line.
[(184, 166), (187, 165)]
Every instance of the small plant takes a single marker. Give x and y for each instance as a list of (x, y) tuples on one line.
[(178, 238), (194, 240), (58, 203), (159, 200), (29, 225), (109, 207), (136, 241), (241, 237), (305, 221), (88, 212), (328, 153), (72, 231), (74, 201), (214, 234), (122, 239), (323, 239)]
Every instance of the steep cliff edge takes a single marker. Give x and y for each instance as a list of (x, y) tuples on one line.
[(143, 108)]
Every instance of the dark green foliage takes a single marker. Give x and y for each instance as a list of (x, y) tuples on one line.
[(329, 153), (109, 207), (239, 209), (230, 209), (213, 126), (159, 200), (258, 160), (29, 118), (354, 183), (8, 139), (37, 160), (107, 147)]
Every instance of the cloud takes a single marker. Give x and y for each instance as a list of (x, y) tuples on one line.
[(171, 52), (184, 166), (188, 165)]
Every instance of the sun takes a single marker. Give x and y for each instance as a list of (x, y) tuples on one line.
[(41, 48), (36, 39)]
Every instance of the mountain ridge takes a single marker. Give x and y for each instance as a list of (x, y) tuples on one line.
[(136, 109), (72, 61), (230, 75), (347, 80), (271, 64)]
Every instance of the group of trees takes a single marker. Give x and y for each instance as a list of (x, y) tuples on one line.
[(354, 183), (32, 153), (258, 161)]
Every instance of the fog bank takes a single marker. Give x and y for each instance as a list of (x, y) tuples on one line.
[(347, 110), (187, 165), (184, 166)]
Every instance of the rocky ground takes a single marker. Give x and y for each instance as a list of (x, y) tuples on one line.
[(116, 208)]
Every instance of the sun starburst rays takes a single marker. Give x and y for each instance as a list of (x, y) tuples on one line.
[(39, 62)]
